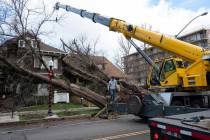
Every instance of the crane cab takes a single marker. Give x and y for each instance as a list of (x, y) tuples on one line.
[(168, 74)]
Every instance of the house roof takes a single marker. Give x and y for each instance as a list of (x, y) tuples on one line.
[(43, 46), (109, 68), (48, 48), (103, 64)]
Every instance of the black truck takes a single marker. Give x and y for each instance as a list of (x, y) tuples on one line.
[(190, 126)]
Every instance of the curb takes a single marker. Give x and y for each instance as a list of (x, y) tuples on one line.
[(36, 121), (55, 111)]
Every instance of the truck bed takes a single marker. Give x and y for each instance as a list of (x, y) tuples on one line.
[(191, 125)]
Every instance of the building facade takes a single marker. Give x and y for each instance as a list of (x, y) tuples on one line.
[(137, 68), (199, 37)]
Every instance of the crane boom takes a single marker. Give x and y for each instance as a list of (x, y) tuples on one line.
[(185, 50), (83, 13)]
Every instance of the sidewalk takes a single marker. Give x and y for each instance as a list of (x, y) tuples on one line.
[(6, 117)]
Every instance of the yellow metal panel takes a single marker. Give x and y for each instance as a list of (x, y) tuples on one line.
[(171, 80)]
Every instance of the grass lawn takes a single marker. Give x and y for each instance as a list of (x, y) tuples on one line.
[(31, 117), (57, 106)]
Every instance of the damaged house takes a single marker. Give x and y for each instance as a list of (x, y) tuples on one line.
[(18, 51)]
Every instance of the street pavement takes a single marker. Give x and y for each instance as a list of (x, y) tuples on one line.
[(126, 127)]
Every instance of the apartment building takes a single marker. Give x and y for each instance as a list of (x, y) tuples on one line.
[(199, 37)]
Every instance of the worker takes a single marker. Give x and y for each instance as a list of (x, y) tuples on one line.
[(112, 85)]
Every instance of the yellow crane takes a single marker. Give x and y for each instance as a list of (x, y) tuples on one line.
[(172, 74)]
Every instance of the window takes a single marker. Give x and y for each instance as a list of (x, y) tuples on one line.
[(169, 66), (99, 66), (36, 62), (21, 43), (179, 64), (203, 44), (203, 35), (55, 66), (193, 37), (47, 59), (33, 43), (168, 69), (198, 36), (155, 50)]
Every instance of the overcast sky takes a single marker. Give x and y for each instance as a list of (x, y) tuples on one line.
[(165, 16)]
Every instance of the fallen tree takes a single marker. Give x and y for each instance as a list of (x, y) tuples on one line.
[(81, 63), (75, 89)]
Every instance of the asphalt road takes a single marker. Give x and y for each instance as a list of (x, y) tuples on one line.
[(126, 127)]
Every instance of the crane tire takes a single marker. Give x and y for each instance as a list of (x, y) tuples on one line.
[(134, 105)]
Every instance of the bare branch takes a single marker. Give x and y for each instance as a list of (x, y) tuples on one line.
[(123, 51)]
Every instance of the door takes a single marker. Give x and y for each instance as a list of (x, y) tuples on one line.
[(167, 69)]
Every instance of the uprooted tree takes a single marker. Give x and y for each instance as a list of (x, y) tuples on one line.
[(80, 62), (16, 22)]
